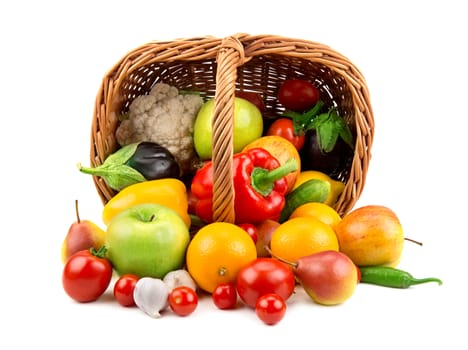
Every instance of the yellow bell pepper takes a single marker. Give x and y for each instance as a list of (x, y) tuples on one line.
[(168, 191), (336, 187)]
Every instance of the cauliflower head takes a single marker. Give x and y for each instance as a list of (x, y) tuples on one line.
[(166, 117)]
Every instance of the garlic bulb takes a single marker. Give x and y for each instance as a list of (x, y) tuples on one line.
[(151, 295), (179, 278)]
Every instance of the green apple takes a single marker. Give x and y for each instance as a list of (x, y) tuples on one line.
[(248, 126), (147, 240)]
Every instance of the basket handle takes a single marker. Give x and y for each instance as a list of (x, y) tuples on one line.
[(230, 56)]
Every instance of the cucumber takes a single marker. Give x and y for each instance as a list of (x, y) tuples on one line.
[(313, 190)]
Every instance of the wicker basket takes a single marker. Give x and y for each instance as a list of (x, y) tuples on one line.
[(219, 67)]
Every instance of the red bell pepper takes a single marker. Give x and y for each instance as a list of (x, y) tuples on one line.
[(259, 187)]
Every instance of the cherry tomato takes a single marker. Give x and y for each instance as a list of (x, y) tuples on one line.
[(123, 289), (270, 308), (252, 97), (298, 95), (251, 229), (263, 276), (225, 296), (86, 275), (284, 127), (183, 300)]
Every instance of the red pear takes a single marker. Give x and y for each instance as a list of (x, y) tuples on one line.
[(82, 235), (328, 277)]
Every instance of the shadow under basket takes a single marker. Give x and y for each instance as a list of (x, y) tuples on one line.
[(217, 68)]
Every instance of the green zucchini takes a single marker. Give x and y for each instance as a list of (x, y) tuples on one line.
[(313, 190)]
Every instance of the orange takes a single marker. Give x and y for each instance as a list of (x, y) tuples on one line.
[(302, 236), (216, 254), (318, 210)]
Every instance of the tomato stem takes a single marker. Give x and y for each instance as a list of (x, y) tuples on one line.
[(100, 253)]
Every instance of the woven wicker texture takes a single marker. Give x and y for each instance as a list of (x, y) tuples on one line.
[(217, 68)]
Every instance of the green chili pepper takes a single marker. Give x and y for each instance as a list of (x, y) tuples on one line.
[(391, 277)]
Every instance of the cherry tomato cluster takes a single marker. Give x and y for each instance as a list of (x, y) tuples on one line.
[(264, 285), (87, 275)]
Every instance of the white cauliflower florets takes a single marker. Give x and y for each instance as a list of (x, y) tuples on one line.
[(165, 117)]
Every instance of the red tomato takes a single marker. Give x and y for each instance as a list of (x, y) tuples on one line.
[(86, 275), (251, 229), (183, 300), (298, 95), (284, 127), (264, 276), (252, 97), (270, 308), (123, 289), (225, 296)]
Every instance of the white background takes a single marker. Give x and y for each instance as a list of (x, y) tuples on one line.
[(413, 55)]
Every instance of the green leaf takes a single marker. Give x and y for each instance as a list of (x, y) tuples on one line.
[(327, 135), (347, 136), (329, 127), (319, 120), (122, 155), (114, 171), (301, 121), (120, 176)]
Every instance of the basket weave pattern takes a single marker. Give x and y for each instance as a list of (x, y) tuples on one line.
[(217, 68)]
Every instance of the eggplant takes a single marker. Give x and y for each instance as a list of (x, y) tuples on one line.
[(332, 163), (134, 163), (154, 161)]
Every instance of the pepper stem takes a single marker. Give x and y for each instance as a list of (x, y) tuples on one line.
[(425, 280), (263, 180)]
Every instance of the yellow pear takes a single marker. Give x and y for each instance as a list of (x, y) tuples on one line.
[(82, 234)]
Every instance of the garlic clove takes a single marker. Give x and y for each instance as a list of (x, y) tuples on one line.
[(151, 295), (179, 278)]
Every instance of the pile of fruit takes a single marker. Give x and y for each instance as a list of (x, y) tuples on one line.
[(166, 249)]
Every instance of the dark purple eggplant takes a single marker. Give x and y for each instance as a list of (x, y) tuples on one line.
[(332, 163)]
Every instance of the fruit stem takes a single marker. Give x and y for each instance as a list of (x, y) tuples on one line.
[(413, 241), (290, 263), (77, 211), (100, 253)]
